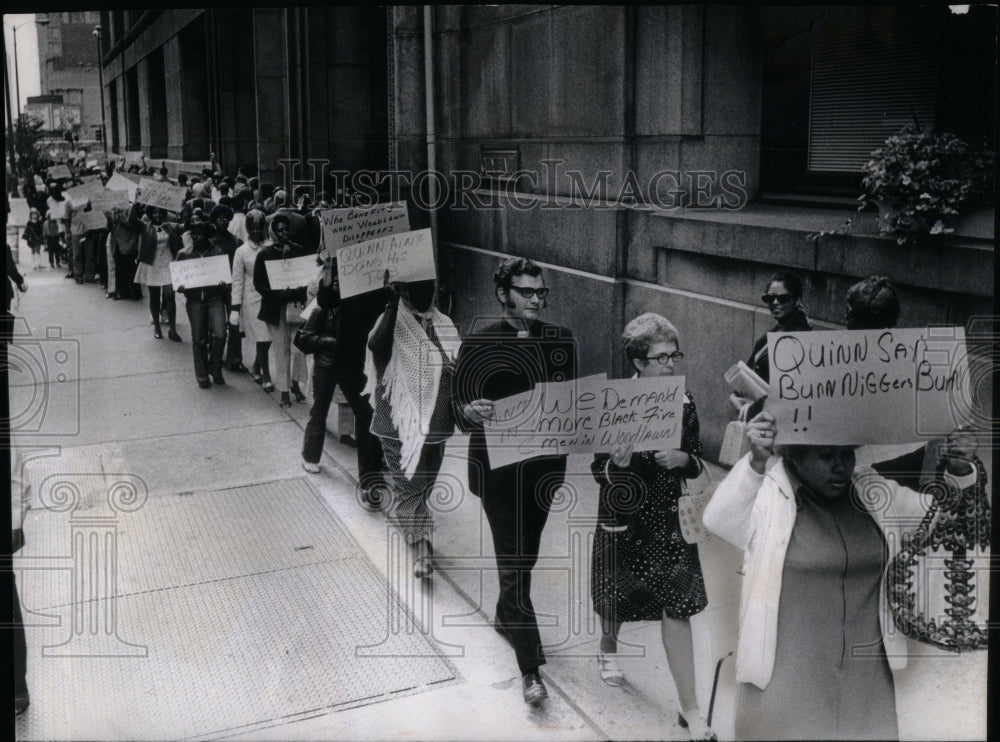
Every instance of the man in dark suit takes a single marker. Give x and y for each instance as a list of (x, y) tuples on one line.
[(505, 358)]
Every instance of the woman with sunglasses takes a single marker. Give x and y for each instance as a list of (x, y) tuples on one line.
[(783, 298), (642, 568)]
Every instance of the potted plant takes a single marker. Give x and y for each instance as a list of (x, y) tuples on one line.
[(921, 181)]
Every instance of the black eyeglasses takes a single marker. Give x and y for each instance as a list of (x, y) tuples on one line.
[(664, 358), (528, 292), (769, 299)]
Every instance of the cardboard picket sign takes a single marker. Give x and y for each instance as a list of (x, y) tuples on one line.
[(81, 194), (197, 272), (408, 256), (59, 172), (160, 195), (19, 212), (859, 387), (588, 415), (118, 182), (349, 226), (294, 273), (91, 220), (110, 200)]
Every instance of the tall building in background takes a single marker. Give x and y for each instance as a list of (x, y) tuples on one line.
[(67, 61)]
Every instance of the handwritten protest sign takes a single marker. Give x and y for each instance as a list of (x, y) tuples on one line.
[(585, 416), (91, 220), (118, 182), (81, 194), (161, 195), (109, 200), (408, 256), (200, 272), (856, 387), (348, 226), (59, 172), (133, 158), (19, 212), (293, 273)]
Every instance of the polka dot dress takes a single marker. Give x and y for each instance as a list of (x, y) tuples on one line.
[(641, 565)]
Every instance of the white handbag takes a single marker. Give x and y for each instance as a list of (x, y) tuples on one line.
[(691, 506), (735, 444)]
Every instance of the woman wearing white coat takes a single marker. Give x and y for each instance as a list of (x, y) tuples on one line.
[(246, 298), (816, 645)]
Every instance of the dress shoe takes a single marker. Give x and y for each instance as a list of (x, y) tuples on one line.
[(533, 687), (238, 368), (373, 497), (158, 334), (204, 383), (310, 467), (285, 400), (297, 393), (174, 336), (218, 380)]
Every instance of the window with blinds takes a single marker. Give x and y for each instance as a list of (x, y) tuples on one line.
[(872, 71)]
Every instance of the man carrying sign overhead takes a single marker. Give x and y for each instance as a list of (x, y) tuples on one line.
[(506, 358)]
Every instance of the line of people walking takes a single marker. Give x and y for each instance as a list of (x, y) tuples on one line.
[(814, 562)]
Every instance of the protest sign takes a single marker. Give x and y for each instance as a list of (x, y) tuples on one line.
[(585, 416), (59, 172), (19, 212), (197, 272), (348, 226), (91, 220), (118, 182), (161, 195), (857, 387), (293, 273), (193, 167), (133, 158), (109, 200), (408, 256), (81, 194)]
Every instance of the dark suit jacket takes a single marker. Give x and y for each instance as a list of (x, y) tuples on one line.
[(494, 363), (147, 245)]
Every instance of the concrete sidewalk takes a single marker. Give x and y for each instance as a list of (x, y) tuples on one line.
[(234, 544)]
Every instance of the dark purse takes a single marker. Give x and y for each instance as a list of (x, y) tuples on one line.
[(955, 534)]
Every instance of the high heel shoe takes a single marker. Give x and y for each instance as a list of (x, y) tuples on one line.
[(268, 387), (607, 666), (297, 393), (285, 400), (158, 334)]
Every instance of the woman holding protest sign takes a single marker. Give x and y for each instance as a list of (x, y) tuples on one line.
[(158, 247), (817, 646), (410, 367), (280, 310), (642, 568)]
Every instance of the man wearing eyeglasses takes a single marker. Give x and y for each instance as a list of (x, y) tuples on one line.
[(505, 358)]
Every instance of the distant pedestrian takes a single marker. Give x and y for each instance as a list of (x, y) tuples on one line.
[(206, 310), (279, 309), (52, 230), (246, 298), (159, 245), (34, 236)]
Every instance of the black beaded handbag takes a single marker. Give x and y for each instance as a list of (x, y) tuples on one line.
[(954, 534)]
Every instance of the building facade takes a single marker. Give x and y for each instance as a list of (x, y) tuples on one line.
[(653, 158), (68, 67)]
